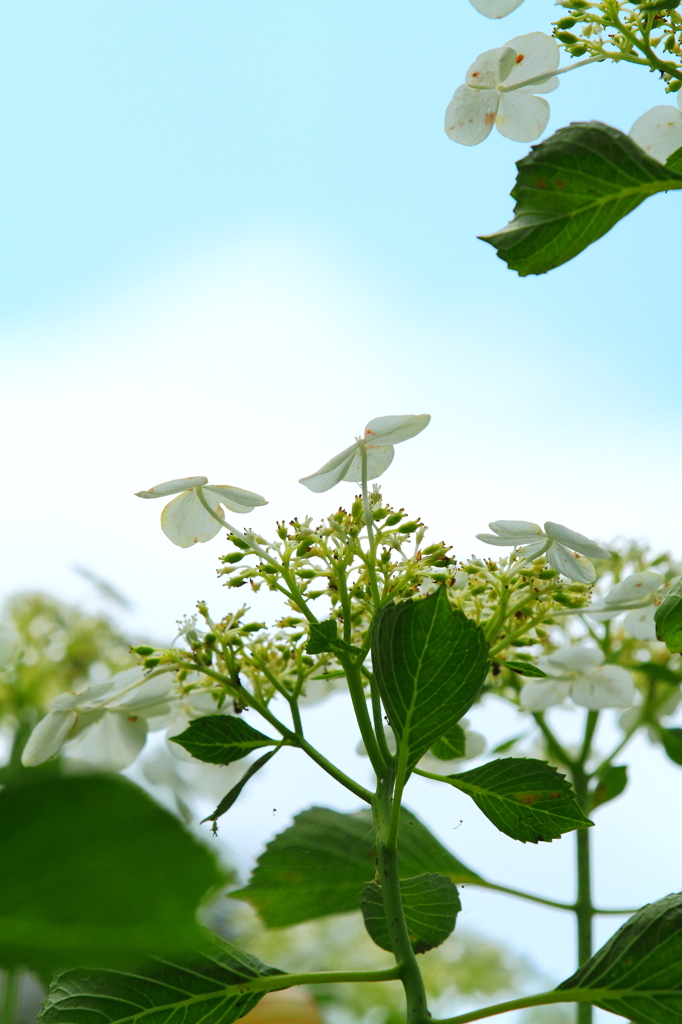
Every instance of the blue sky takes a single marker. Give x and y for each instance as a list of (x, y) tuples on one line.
[(234, 232)]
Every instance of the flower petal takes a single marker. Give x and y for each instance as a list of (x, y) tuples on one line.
[(537, 54), (576, 541), (574, 566), (496, 8), (47, 738), (659, 131), (114, 743), (379, 458), (607, 687), (521, 531), (634, 587), (522, 117), (641, 623), (149, 693), (576, 658), (470, 115), (538, 547), (10, 644), (332, 472), (394, 429), (538, 694), (173, 487), (185, 521), (234, 498), (491, 67)]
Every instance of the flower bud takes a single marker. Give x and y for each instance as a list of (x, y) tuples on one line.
[(566, 23), (143, 649), (408, 527), (578, 51), (394, 518), (254, 627), (151, 662), (236, 556), (566, 37), (239, 543)]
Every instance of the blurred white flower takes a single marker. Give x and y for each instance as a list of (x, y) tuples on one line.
[(659, 131), (185, 521), (563, 548), (377, 442), (641, 593), (10, 644), (496, 8), (499, 90), (578, 672)]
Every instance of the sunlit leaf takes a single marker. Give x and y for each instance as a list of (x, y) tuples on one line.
[(668, 619)]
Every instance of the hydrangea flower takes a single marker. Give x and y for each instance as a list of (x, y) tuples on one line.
[(381, 434), (641, 593), (500, 89), (579, 673), (659, 131), (496, 8), (563, 548), (185, 521)]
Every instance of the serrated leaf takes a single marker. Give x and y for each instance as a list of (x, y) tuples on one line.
[(94, 872), (430, 662), (638, 973), (319, 865), (668, 619), (195, 990), (430, 902), (526, 799), (321, 635), (611, 782), (525, 668), (672, 743), (451, 746), (571, 189), (221, 739)]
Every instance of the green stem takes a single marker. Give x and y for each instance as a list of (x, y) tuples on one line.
[(568, 995), (277, 982), (520, 894), (584, 909), (369, 526), (350, 666), (10, 993), (590, 726), (555, 748), (389, 878)]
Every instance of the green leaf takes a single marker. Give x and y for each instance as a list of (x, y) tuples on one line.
[(638, 973), (221, 739), (451, 746), (194, 990), (321, 635), (93, 871), (668, 619), (674, 161), (672, 743), (571, 189), (431, 904), (319, 865), (430, 663), (526, 799), (611, 782), (235, 792), (525, 668)]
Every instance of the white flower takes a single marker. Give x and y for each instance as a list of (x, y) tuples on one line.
[(659, 131), (10, 644), (578, 672), (378, 440), (185, 521), (496, 8), (563, 548), (499, 90), (640, 592)]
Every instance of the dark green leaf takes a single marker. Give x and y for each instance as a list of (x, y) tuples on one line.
[(611, 782), (672, 743), (668, 619), (319, 865), (526, 799), (321, 635), (674, 161), (525, 668), (506, 745), (431, 904), (451, 746), (198, 989), (221, 739), (652, 670), (571, 189), (234, 793), (638, 973), (94, 871), (430, 662)]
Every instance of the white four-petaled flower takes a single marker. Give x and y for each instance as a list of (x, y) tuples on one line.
[(185, 521), (499, 90), (563, 548), (579, 673), (659, 131), (639, 594), (377, 444)]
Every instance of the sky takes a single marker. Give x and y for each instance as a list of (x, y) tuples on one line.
[(233, 233)]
